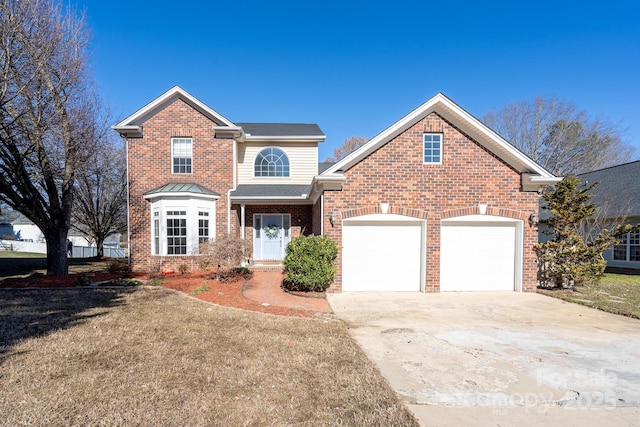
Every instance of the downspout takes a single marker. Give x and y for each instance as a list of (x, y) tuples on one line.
[(126, 148), (322, 214), (233, 185)]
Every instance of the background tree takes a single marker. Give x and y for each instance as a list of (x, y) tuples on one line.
[(559, 136), (569, 259), (100, 203), (46, 102), (349, 146)]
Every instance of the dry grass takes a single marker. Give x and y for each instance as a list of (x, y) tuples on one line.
[(152, 356), (22, 264), (616, 293)]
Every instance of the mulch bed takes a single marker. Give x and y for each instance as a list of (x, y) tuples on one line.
[(201, 285)]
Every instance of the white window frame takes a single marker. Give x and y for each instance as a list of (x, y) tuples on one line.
[(192, 206), (628, 241), (284, 156), (175, 156), (203, 215), (424, 148)]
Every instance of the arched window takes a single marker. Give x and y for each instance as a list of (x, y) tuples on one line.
[(271, 162)]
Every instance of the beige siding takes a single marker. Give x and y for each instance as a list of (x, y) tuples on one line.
[(303, 159)]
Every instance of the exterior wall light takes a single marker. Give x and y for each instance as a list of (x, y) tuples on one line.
[(533, 219), (332, 218)]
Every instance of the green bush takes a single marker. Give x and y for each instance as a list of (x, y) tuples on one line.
[(309, 263)]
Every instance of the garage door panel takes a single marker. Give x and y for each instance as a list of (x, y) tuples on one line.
[(478, 257), (381, 256)]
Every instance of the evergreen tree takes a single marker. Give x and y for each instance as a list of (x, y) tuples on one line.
[(568, 259)]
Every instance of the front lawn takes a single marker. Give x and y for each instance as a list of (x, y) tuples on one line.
[(151, 356), (617, 293), (22, 264)]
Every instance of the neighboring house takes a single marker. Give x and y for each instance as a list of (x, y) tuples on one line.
[(18, 227), (435, 202), (618, 197)]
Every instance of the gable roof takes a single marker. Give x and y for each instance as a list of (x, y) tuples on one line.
[(131, 126), (618, 191), (536, 175)]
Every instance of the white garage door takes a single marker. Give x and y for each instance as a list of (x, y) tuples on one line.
[(478, 256), (382, 254)]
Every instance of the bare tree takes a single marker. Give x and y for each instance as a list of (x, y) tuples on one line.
[(349, 146), (46, 102), (559, 136), (100, 203)]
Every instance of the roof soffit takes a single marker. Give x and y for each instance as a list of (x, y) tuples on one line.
[(133, 123), (464, 121)]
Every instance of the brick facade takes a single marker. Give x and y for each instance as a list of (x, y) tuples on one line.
[(468, 175), (149, 164)]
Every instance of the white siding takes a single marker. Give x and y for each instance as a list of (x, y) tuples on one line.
[(303, 160)]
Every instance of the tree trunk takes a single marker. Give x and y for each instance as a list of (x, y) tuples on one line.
[(57, 262), (99, 247)]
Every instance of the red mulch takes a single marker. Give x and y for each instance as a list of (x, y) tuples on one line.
[(68, 281), (228, 293)]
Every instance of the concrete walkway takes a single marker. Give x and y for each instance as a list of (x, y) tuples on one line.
[(264, 287)]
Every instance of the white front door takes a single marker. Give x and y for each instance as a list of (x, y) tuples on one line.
[(271, 235)]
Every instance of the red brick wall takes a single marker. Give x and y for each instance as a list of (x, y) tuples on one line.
[(300, 219), (469, 174), (149, 165)]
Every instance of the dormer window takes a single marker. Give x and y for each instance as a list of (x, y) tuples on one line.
[(271, 161)]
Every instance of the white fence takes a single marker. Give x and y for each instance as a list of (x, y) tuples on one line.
[(20, 246), (41, 248)]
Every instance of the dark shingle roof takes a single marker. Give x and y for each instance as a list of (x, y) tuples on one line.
[(270, 190), (323, 166), (183, 187), (619, 189), (281, 129)]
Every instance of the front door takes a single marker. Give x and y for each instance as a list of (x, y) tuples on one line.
[(271, 236)]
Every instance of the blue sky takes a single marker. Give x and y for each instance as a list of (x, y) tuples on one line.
[(357, 67)]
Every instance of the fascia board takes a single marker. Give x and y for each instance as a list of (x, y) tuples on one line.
[(383, 137), (272, 200), (531, 182), (175, 91), (169, 194), (305, 138), (459, 117)]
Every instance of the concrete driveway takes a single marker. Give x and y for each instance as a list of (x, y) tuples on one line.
[(500, 358)]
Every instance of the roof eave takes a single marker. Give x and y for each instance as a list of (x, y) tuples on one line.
[(534, 182), (290, 138), (292, 200), (461, 119), (174, 92), (165, 194), (129, 131)]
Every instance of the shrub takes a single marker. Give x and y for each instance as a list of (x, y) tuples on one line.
[(225, 252), (309, 263), (119, 266), (83, 281), (183, 269)]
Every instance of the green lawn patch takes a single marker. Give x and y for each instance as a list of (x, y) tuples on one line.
[(616, 293)]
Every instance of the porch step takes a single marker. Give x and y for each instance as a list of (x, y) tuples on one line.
[(266, 266)]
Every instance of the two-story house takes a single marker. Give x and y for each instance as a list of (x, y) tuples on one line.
[(435, 202)]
